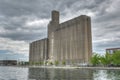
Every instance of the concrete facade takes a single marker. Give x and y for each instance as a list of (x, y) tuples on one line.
[(70, 41), (38, 51)]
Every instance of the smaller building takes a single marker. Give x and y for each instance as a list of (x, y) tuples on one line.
[(8, 62), (112, 50), (38, 51)]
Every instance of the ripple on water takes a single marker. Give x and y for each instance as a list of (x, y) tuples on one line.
[(18, 73)]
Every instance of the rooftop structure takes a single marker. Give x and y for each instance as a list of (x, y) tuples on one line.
[(112, 50)]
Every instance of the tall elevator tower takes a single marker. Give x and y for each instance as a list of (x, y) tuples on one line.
[(52, 26)]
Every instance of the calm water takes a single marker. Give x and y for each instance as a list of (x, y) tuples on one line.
[(15, 73)]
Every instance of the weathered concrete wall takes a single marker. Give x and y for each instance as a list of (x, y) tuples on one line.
[(38, 51), (53, 25), (72, 41)]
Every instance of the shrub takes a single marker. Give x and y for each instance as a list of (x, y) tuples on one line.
[(56, 63), (63, 63)]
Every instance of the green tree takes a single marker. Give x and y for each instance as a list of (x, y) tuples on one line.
[(95, 60), (26, 63), (56, 63), (46, 62), (116, 58), (50, 63), (106, 60), (63, 63), (36, 63), (103, 60), (41, 63), (31, 63)]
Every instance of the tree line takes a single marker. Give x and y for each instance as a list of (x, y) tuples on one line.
[(106, 60)]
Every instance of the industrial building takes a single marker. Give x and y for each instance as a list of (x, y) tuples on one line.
[(8, 62), (38, 50), (70, 41), (112, 50)]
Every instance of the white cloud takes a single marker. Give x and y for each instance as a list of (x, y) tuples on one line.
[(15, 47), (71, 13), (114, 6), (37, 22)]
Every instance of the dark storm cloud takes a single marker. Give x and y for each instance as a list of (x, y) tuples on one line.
[(16, 13), (39, 8), (26, 20), (42, 8), (106, 26), (26, 36), (17, 30), (13, 8)]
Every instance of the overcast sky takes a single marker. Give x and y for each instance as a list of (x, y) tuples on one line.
[(24, 21)]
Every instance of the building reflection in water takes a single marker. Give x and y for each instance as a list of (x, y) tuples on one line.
[(60, 74)]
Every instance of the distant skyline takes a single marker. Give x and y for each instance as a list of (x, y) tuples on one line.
[(24, 21)]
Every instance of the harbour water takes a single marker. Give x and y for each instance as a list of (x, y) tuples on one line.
[(19, 73)]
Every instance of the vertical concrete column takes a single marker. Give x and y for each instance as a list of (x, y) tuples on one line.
[(61, 43), (58, 49), (65, 35), (53, 25), (70, 43), (75, 41), (35, 51), (63, 40), (67, 44), (78, 42), (30, 52), (46, 55), (83, 40), (89, 38)]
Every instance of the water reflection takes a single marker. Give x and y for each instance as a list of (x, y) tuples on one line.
[(60, 74), (106, 75), (115, 73), (19, 73), (13, 73)]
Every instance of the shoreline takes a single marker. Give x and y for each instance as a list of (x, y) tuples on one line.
[(93, 68), (69, 67)]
